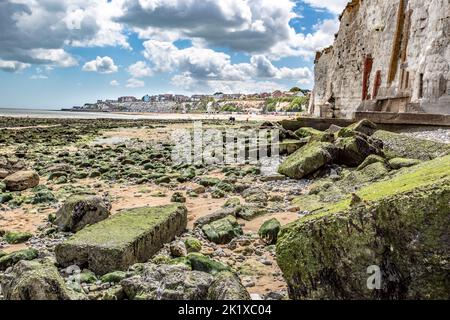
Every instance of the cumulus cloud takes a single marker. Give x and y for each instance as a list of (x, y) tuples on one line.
[(135, 83), (114, 83), (139, 70), (36, 32), (242, 25), (200, 67), (13, 66), (101, 65)]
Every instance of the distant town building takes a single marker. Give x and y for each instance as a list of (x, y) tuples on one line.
[(127, 99)]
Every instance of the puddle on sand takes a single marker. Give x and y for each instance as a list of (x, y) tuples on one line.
[(110, 140)]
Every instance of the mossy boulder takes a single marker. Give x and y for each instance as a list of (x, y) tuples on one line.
[(364, 126), (36, 280), (400, 226), (403, 146), (199, 262), (251, 211), (80, 211), (314, 134), (87, 276), (222, 231), (209, 182), (193, 245), (178, 197), (21, 180), (127, 238), (10, 259), (15, 237), (398, 163), (114, 277), (371, 159), (307, 160), (352, 151), (227, 286), (269, 231)]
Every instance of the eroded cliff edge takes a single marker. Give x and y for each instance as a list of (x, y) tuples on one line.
[(390, 56)]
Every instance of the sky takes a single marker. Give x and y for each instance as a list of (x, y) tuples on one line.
[(56, 53)]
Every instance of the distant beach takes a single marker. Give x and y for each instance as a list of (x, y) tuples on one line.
[(39, 113)]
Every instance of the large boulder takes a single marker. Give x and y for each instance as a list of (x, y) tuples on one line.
[(8, 260), (227, 286), (80, 211), (217, 215), (167, 282), (129, 237), (222, 231), (21, 180), (404, 146), (307, 160), (36, 280), (352, 151), (397, 230)]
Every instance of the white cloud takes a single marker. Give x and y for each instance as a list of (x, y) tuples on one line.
[(13, 66), (101, 65), (335, 6), (114, 83), (139, 70), (135, 83), (207, 64), (35, 32), (244, 25)]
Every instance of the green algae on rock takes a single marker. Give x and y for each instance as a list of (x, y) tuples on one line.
[(269, 231), (403, 146), (10, 259), (227, 286), (36, 280), (222, 231), (15, 237), (401, 226), (129, 237), (306, 160)]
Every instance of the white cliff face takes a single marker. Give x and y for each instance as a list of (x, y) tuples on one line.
[(389, 55)]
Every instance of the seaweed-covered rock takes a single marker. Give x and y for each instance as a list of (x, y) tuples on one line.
[(128, 237), (202, 263), (398, 163), (400, 227), (371, 159), (222, 231), (167, 282), (15, 237), (403, 146), (21, 180), (178, 197), (193, 245), (227, 286), (217, 215), (352, 151), (80, 211), (314, 134), (307, 160), (251, 211), (10, 259), (364, 126), (269, 231), (114, 277), (36, 280)]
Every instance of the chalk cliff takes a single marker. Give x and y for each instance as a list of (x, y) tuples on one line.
[(389, 55)]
